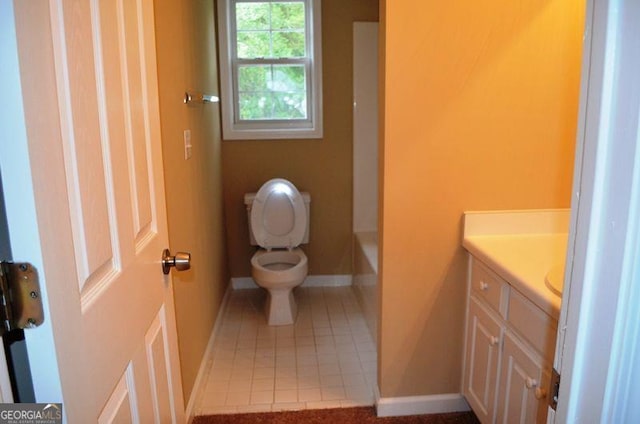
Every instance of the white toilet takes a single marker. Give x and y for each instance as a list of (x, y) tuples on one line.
[(278, 222)]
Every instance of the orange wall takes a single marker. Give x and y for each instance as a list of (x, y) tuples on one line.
[(479, 112), (185, 35)]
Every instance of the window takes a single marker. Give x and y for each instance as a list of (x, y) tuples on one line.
[(270, 69)]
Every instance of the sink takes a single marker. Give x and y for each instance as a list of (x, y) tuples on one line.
[(554, 280)]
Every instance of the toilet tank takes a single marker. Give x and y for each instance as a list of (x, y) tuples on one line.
[(248, 201)]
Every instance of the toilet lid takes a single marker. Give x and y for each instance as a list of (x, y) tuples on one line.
[(278, 215)]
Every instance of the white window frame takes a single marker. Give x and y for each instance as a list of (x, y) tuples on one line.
[(232, 128)]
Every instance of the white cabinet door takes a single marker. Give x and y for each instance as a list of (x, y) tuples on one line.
[(522, 396), (482, 358), (88, 77)]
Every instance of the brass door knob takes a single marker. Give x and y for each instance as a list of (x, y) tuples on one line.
[(181, 261)]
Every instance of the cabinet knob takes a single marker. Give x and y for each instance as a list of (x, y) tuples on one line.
[(493, 340), (484, 286), (531, 383), (540, 393)]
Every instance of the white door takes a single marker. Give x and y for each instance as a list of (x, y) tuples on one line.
[(95, 188)]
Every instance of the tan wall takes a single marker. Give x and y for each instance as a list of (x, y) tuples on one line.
[(187, 59), (479, 113), (321, 167)]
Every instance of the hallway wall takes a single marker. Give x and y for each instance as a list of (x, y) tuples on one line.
[(185, 32)]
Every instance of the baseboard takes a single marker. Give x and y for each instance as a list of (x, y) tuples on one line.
[(199, 384), (414, 405), (239, 283), (328, 280)]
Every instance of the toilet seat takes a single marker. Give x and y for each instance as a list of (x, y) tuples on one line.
[(278, 215)]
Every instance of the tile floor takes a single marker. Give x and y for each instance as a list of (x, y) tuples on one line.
[(327, 359)]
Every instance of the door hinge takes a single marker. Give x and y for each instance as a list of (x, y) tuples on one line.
[(20, 299), (554, 389)]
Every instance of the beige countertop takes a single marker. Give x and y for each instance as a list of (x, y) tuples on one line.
[(521, 247)]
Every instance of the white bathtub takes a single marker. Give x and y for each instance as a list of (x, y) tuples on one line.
[(365, 276)]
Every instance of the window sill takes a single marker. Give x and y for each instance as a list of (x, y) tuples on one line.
[(262, 134)]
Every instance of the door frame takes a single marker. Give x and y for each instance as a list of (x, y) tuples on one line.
[(599, 328), (20, 207), (6, 393)]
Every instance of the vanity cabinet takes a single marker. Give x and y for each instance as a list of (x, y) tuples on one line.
[(509, 351)]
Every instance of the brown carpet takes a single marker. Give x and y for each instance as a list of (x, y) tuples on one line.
[(361, 415)]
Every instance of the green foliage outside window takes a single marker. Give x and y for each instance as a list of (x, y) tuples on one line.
[(271, 30)]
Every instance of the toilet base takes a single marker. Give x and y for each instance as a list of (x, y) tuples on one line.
[(280, 307)]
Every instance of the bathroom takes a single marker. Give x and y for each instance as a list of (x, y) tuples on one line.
[(489, 127), (433, 169)]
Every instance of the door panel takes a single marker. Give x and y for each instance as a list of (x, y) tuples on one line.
[(158, 352), (121, 406)]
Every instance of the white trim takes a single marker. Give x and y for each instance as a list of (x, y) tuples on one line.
[(467, 297), (241, 283), (415, 405), (621, 390), (200, 384), (328, 280), (339, 280)]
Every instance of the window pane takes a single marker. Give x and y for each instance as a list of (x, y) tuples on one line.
[(254, 78), (272, 92), (288, 44), (289, 78), (287, 15), (253, 44), (252, 16), (270, 30), (289, 106), (255, 105)]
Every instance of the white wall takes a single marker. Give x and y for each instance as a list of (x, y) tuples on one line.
[(365, 126)]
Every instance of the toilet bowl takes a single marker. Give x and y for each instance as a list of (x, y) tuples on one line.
[(278, 217), (279, 272)]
